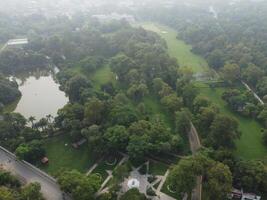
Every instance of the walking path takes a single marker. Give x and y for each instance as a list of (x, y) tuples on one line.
[(254, 93), (92, 168), (194, 146), (104, 189), (162, 181)]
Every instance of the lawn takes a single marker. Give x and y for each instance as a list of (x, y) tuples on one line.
[(61, 155), (178, 48), (102, 76), (155, 108), (250, 145), (166, 191)]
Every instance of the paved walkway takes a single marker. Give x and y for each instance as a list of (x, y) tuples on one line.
[(254, 93), (104, 189), (163, 180)]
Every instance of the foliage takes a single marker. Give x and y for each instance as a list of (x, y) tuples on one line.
[(81, 187)]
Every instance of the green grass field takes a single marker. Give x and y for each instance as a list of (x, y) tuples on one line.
[(102, 76), (250, 145), (62, 156), (178, 48)]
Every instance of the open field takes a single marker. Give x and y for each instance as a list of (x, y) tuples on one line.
[(61, 155), (250, 145), (178, 48), (102, 76)]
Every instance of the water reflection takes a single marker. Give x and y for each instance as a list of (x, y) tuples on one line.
[(40, 93)]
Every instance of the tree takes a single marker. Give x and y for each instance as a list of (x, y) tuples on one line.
[(6, 194), (31, 120), (172, 102), (94, 111), (123, 115), (137, 92), (31, 152), (231, 73), (262, 86), (182, 121), (182, 178), (217, 178), (32, 191), (224, 132), (121, 64), (205, 119), (251, 175), (264, 137), (252, 74), (189, 93), (200, 103), (219, 184), (215, 59), (138, 146), (116, 138), (94, 137), (133, 194), (81, 187), (8, 90), (74, 87)]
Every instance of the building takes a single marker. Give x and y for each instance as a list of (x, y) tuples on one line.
[(239, 194)]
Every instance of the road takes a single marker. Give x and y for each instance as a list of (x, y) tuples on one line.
[(28, 173), (194, 146)]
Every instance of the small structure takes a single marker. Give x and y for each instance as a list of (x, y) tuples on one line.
[(76, 145), (45, 160), (239, 194), (133, 183), (19, 42)]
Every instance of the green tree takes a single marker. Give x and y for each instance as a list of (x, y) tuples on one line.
[(133, 194), (75, 86), (116, 138), (137, 92), (94, 111), (32, 192), (172, 102), (224, 132), (219, 184), (81, 187), (6, 194), (182, 121), (215, 59), (231, 73), (252, 74)]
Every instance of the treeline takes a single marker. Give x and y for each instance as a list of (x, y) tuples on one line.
[(8, 91), (117, 118), (234, 45), (12, 189)]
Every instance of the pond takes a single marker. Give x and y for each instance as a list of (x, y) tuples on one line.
[(41, 95)]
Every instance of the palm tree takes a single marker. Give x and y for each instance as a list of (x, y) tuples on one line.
[(31, 120), (49, 117)]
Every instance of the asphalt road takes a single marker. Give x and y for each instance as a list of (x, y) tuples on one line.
[(50, 189)]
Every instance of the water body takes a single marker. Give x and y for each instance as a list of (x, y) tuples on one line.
[(40, 94)]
